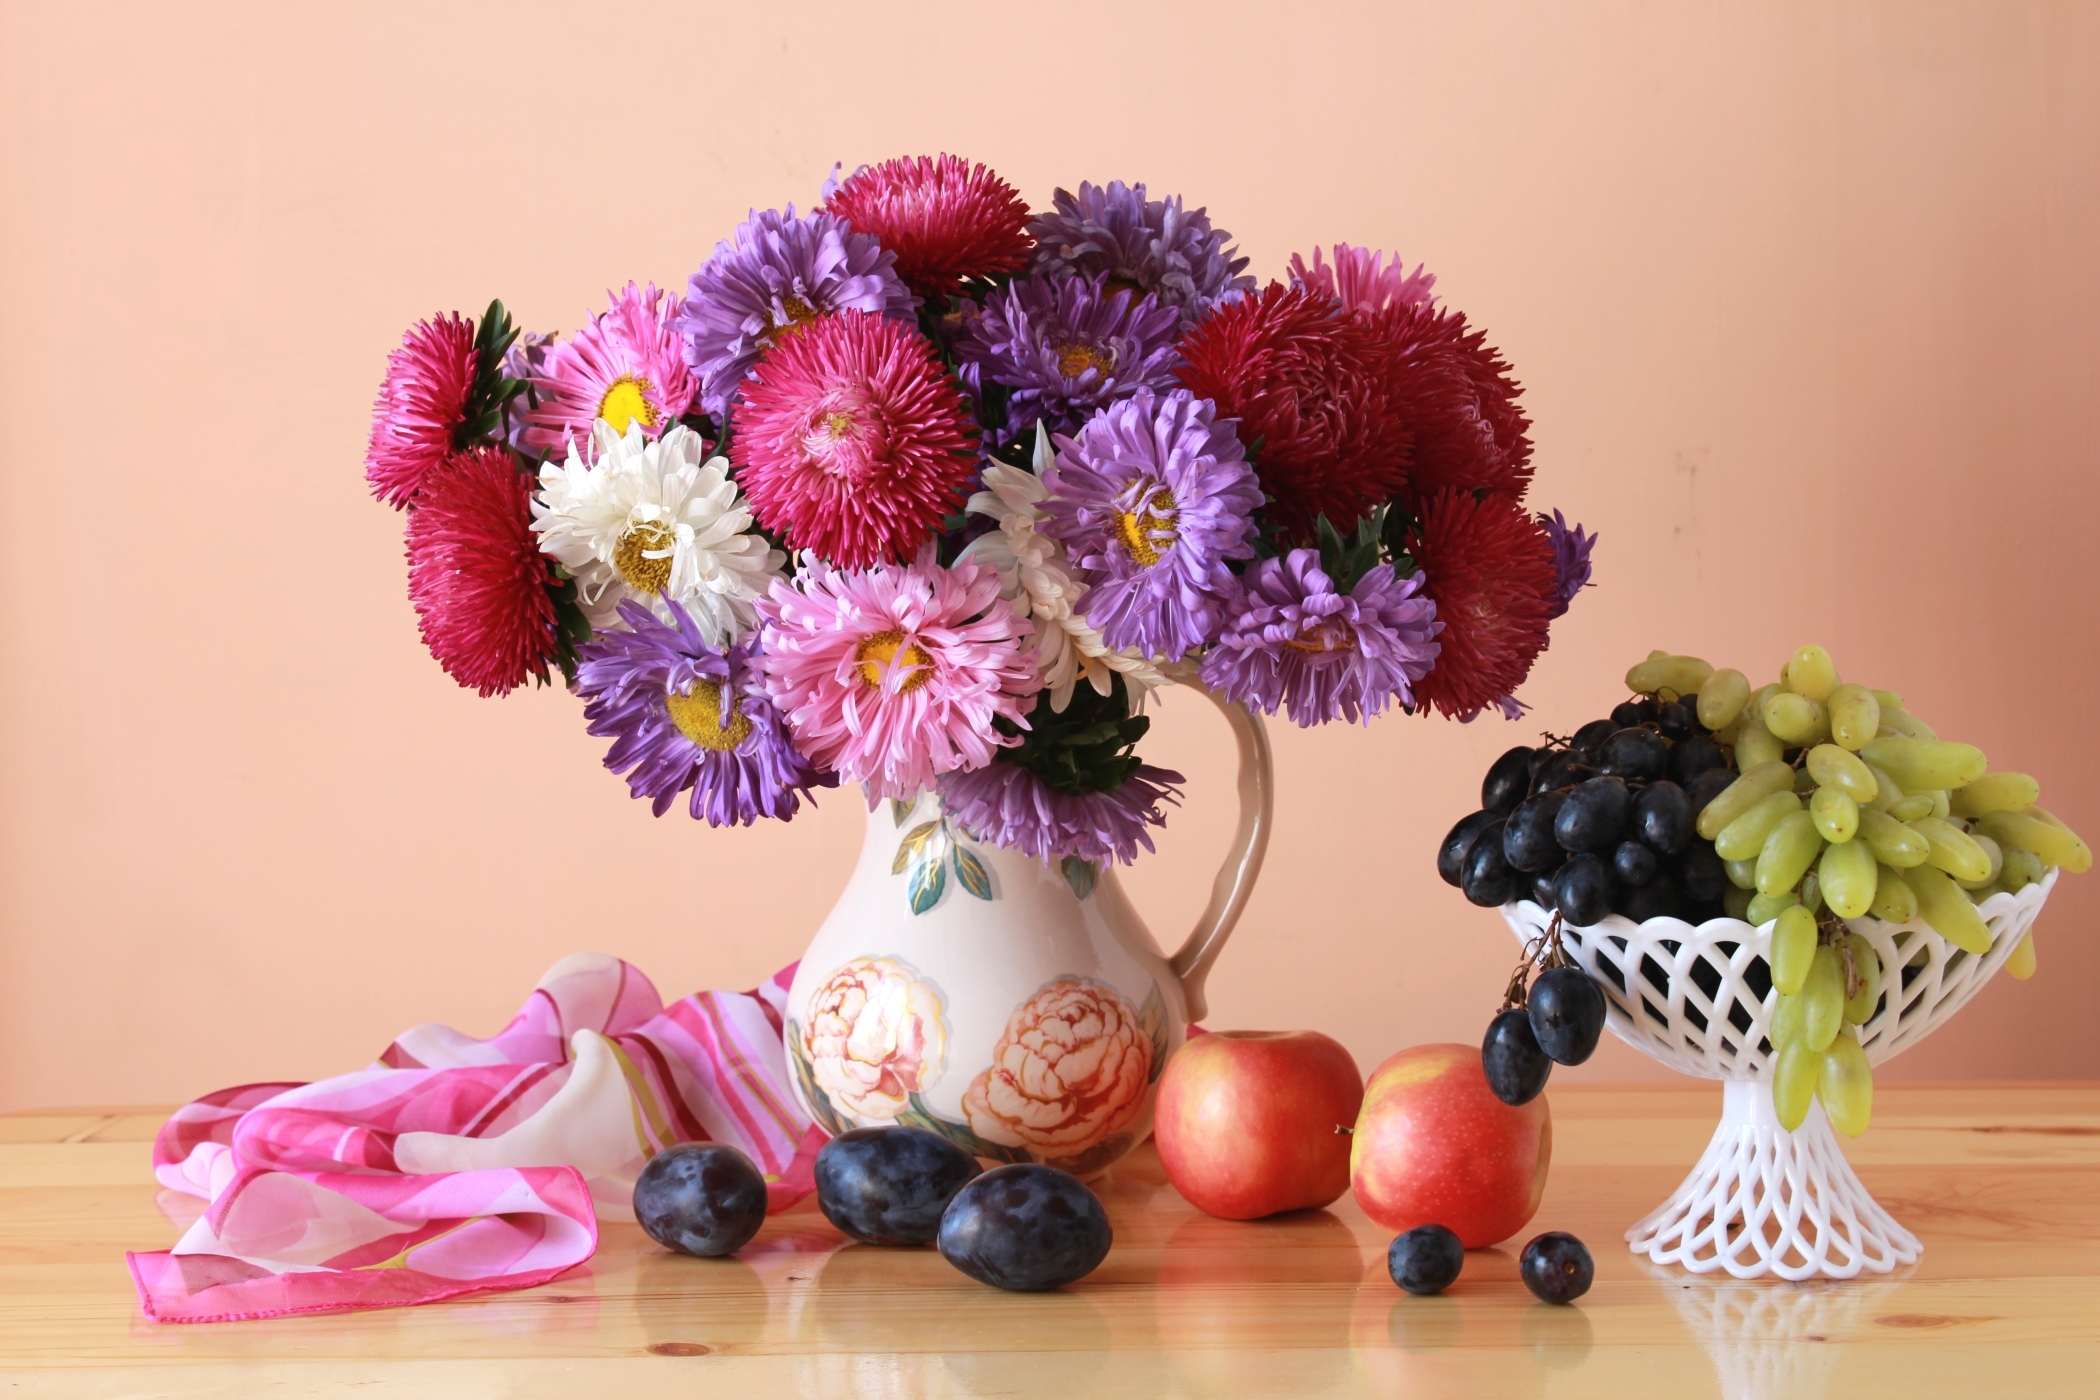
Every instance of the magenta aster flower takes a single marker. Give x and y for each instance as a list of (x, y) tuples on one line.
[(1361, 280), (684, 715), (1293, 641), (852, 441), (1150, 500), (1066, 347), (892, 676), (778, 273), (1152, 245), (944, 218), (476, 575), (1007, 805), (626, 366), (422, 403)]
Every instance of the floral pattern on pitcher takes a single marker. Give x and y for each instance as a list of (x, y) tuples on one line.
[(1070, 1071), (875, 1037), (925, 854)]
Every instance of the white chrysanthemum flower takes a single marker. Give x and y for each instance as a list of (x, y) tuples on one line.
[(1036, 577), (650, 520)]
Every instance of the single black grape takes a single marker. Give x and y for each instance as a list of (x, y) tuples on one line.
[(701, 1198), (1706, 787), (1662, 818), (1676, 719), (1508, 779), (1583, 889), (1516, 1068), (1557, 1267), (1633, 863), (1704, 877), (1426, 1259), (1542, 892), (1567, 1014), (1638, 755), (1591, 736), (1594, 816), (1527, 841), (1693, 756), (890, 1185), (1565, 770), (1661, 898), (1541, 756), (1630, 713), (1451, 855), (1025, 1227), (1487, 879)]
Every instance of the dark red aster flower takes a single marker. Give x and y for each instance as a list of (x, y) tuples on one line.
[(944, 218), (476, 574), (1312, 391), (1489, 565), (1454, 392)]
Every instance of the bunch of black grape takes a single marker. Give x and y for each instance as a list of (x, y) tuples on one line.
[(1601, 822), (1556, 1020)]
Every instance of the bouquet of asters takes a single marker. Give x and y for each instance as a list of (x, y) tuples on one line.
[(924, 489)]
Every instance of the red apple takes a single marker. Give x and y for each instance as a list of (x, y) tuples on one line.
[(1250, 1123), (1434, 1146)]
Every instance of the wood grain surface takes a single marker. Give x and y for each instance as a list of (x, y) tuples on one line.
[(2002, 1183)]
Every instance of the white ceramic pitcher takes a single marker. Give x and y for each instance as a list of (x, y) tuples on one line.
[(1019, 1009)]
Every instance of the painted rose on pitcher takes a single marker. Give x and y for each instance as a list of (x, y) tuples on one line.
[(1071, 1068), (874, 1037)]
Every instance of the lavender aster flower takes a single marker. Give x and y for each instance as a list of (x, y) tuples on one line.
[(1007, 805), (1152, 245), (1067, 346), (777, 272), (1571, 556), (1293, 641), (1150, 499), (684, 715)]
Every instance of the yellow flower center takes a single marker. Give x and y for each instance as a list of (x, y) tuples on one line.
[(698, 715), (627, 401), (799, 313), (1075, 360), (1146, 533), (881, 650), (643, 557), (1323, 636)]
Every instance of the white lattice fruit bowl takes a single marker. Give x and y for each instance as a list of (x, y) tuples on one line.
[(1764, 1202)]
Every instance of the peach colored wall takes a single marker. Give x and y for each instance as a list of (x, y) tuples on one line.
[(1804, 295)]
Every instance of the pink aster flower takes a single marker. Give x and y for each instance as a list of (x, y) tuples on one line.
[(626, 366), (852, 441), (1361, 280), (944, 218), (421, 404), (893, 675)]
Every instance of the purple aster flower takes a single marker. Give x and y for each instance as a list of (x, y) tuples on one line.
[(777, 272), (684, 715), (1150, 498), (1152, 245), (1293, 641), (1067, 346), (1571, 556), (1007, 805)]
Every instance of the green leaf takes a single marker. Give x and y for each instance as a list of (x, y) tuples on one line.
[(1079, 875), (927, 883), (819, 1102), (922, 1117), (913, 845), (1152, 1020), (899, 810), (971, 874)]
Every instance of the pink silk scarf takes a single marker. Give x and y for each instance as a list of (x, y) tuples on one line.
[(455, 1165)]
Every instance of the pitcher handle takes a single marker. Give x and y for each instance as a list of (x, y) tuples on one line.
[(1235, 882)]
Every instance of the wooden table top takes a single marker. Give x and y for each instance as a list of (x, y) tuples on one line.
[(2001, 1183)]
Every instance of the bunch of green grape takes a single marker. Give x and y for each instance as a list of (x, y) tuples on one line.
[(1845, 804)]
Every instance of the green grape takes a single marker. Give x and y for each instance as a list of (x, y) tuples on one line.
[(1862, 979), (1888, 699), (1764, 908), (1911, 808), (1831, 766), (2021, 869), (1811, 892), (1785, 1028), (1811, 674), (1887, 792), (1804, 782), (1836, 816), (1846, 1086), (1755, 710), (1742, 873), (1757, 783), (2054, 842), (1790, 849), (1736, 902), (1921, 764), (1909, 724), (1793, 949), (2020, 963), (1795, 1071), (1997, 792), (1996, 854), (1948, 910), (1847, 876), (1755, 746), (1892, 841), (1941, 807), (1796, 720), (1823, 1000), (1722, 698), (1952, 850), (1894, 901), (1744, 837), (1683, 674), (1855, 716)]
